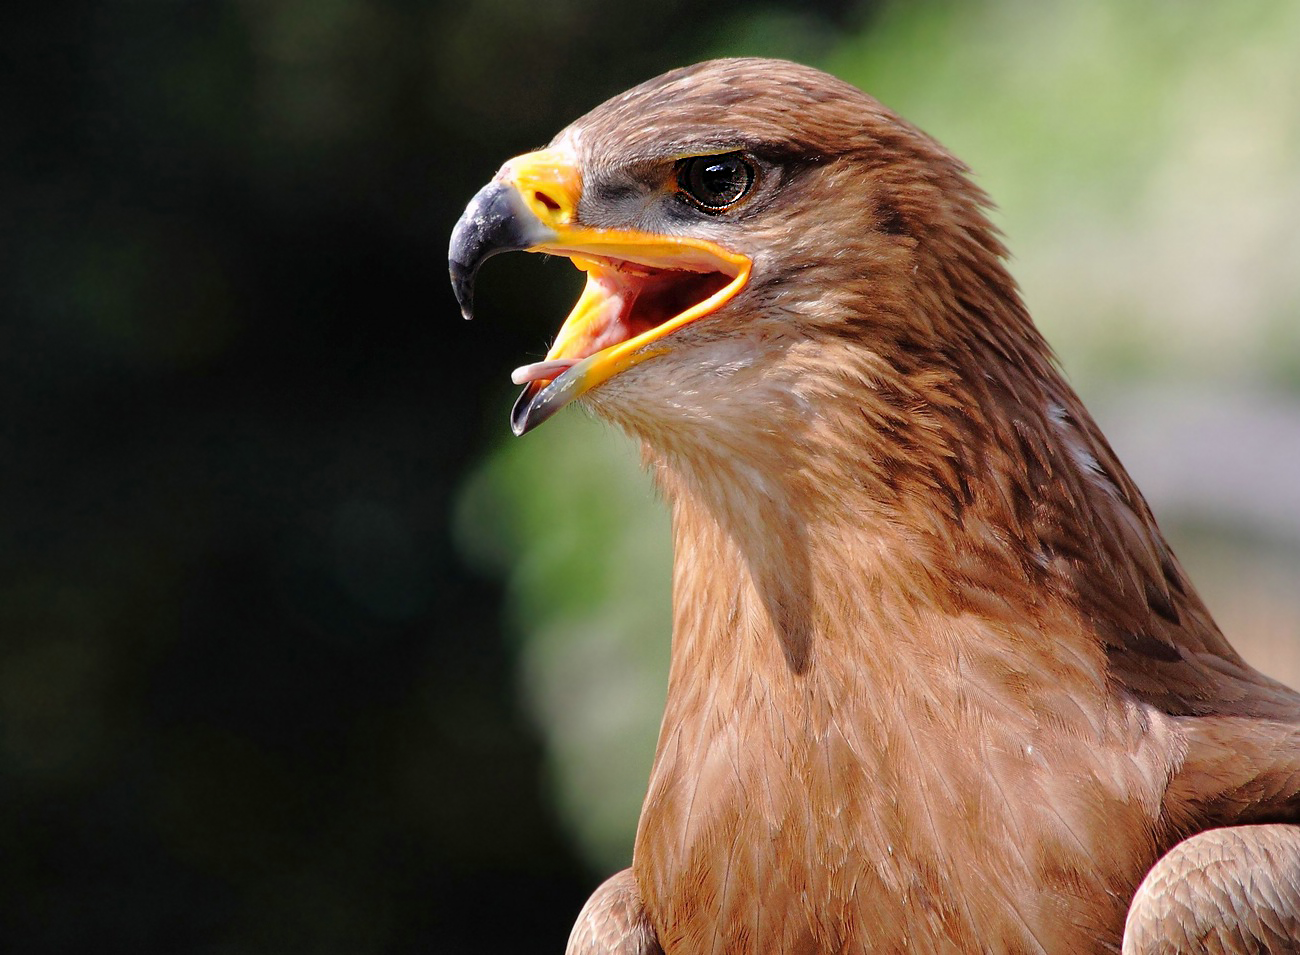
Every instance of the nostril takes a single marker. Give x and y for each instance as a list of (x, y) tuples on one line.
[(547, 201)]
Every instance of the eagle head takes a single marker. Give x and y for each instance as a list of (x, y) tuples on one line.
[(734, 219)]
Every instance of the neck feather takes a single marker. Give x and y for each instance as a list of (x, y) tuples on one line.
[(963, 484)]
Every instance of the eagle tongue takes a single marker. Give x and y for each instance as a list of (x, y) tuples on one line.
[(542, 370)]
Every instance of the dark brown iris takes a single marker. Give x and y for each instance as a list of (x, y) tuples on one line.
[(715, 183)]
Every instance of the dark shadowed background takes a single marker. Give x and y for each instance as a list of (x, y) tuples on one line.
[(298, 651), (251, 699)]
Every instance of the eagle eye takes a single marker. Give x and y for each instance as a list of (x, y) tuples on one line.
[(715, 183)]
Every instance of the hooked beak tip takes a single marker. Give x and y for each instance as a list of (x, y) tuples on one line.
[(540, 400), (520, 422), (462, 286), (496, 220)]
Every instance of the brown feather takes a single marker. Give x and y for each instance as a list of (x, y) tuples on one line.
[(938, 683), (1224, 892)]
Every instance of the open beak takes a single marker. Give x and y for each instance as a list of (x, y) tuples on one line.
[(641, 286)]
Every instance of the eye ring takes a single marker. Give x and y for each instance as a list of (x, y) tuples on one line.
[(715, 183)]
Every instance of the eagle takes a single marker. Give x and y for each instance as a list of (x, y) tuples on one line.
[(938, 683)]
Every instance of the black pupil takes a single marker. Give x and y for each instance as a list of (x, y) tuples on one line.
[(718, 181)]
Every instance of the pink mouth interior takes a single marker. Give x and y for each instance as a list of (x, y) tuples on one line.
[(638, 298)]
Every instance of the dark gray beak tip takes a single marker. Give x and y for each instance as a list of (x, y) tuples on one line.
[(462, 284), (540, 401), (521, 419), (496, 220)]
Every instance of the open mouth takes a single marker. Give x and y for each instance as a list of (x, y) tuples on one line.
[(632, 301), (624, 302), (641, 285)]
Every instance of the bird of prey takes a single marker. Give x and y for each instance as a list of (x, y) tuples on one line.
[(938, 684)]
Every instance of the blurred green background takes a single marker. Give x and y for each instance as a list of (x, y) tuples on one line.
[(299, 651)]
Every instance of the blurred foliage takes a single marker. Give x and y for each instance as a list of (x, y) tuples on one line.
[(1145, 161), (589, 591)]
